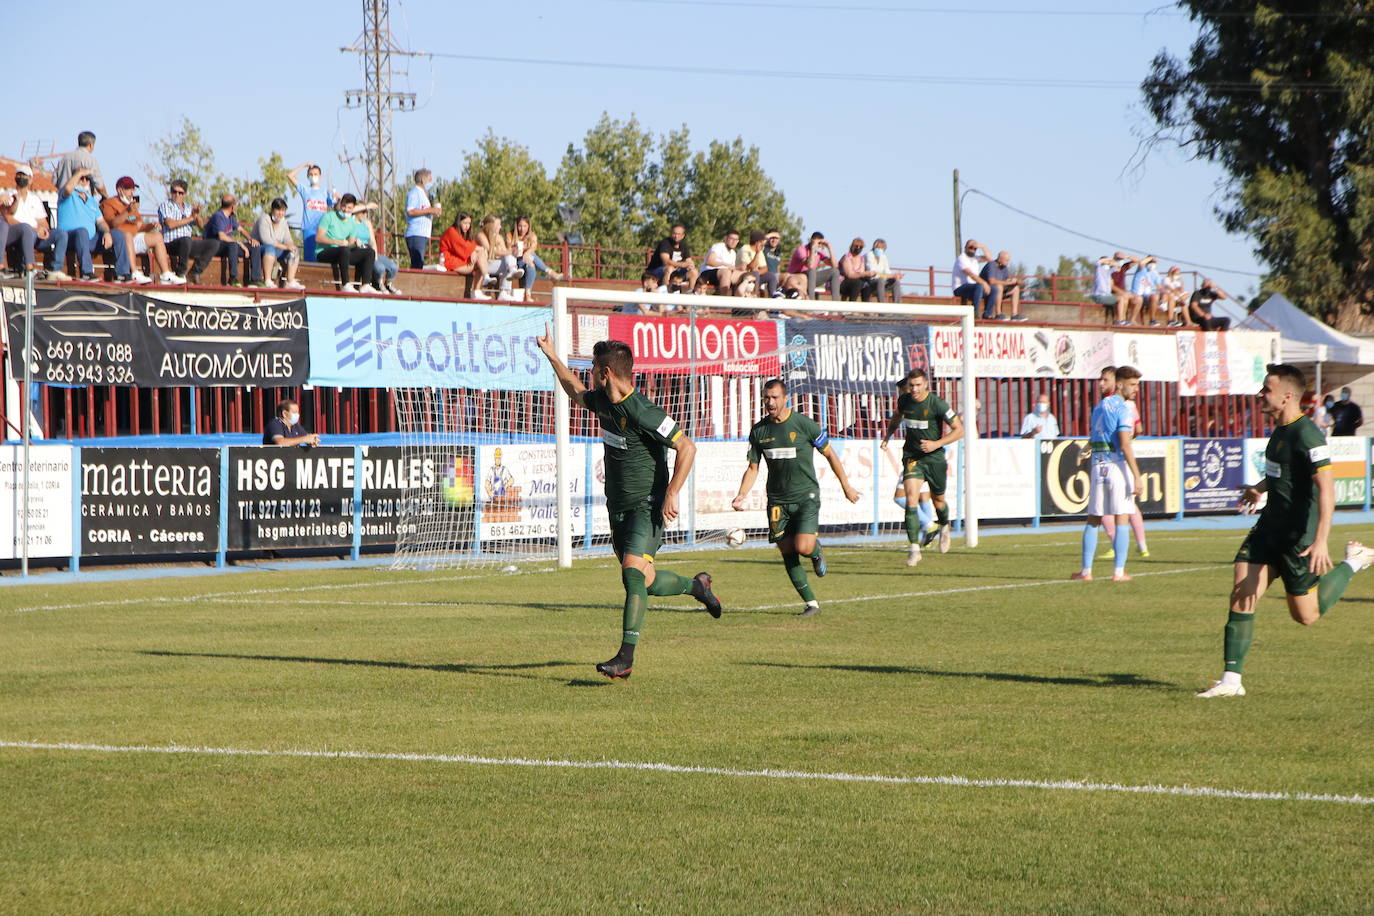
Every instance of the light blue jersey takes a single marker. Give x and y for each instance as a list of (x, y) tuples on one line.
[(1110, 418)]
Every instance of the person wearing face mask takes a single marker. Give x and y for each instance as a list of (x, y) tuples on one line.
[(315, 203), (1040, 423), (886, 281), (180, 219), (285, 428), (1346, 416), (28, 230), (342, 242), (78, 213), (854, 275), (121, 212), (223, 228), (275, 245), (1321, 414)]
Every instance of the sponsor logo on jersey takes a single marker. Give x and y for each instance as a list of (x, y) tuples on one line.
[(666, 426), (1320, 453), (613, 440), (777, 453), (1272, 469), (915, 424)]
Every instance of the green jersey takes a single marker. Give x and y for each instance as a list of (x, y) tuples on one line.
[(1296, 451), (637, 434), (789, 446), (923, 420)]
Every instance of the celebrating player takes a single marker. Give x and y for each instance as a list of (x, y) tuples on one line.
[(1290, 537), (788, 441), (639, 495), (1114, 478), (923, 415)]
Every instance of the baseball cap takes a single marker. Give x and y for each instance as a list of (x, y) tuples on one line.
[(757, 236), (125, 182), (23, 170)]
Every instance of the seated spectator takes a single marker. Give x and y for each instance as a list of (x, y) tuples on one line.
[(1103, 292), (224, 229), (315, 203), (524, 244), (719, 267), (384, 269), (420, 213), (83, 157), (180, 219), (1200, 307), (28, 231), (340, 241), (275, 245), (672, 259), (1346, 416), (885, 280), (1040, 423), (1173, 300), (748, 287), (460, 254), (965, 282), (285, 428), (1146, 286), (854, 274), (1124, 263), (501, 263), (79, 214), (6, 201), (121, 212), (816, 262), (647, 283), (750, 258), (1003, 287)]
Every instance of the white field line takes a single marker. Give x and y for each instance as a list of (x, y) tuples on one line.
[(1071, 785)]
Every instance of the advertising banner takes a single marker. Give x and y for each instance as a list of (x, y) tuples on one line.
[(1155, 355), (290, 497), (516, 491), (49, 506), (88, 338), (1064, 470), (1010, 351), (141, 501), (392, 483), (377, 342), (1005, 474), (850, 356), (717, 472), (1349, 458), (722, 346), (1224, 362), (1213, 473)]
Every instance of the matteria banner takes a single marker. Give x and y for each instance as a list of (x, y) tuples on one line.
[(835, 356), (708, 346), (1016, 351), (90, 338), (1064, 476), (49, 503), (290, 497), (516, 491), (141, 501), (1213, 473), (376, 342)]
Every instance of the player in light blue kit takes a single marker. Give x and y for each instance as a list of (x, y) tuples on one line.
[(1114, 478)]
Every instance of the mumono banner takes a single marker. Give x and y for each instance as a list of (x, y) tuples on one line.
[(854, 357), (706, 346), (140, 501), (1064, 476), (88, 338)]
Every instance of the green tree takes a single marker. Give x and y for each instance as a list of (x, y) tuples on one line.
[(728, 189), (255, 194), (186, 154), (1281, 95), (606, 177), (499, 178)]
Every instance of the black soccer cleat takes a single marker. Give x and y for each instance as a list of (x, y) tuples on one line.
[(617, 668), (818, 562), (701, 590), (930, 534), (810, 610)]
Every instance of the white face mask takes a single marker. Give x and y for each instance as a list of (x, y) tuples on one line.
[(315, 181), (293, 418)]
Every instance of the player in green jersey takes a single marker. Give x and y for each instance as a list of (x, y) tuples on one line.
[(923, 415), (640, 496), (1289, 540), (788, 441)]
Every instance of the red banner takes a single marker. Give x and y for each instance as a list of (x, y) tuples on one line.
[(723, 346)]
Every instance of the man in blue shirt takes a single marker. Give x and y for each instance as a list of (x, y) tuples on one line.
[(78, 213), (223, 227), (1114, 478), (1040, 423), (420, 215), (315, 203), (286, 429)]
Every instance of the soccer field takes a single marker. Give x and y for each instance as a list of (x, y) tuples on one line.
[(976, 734)]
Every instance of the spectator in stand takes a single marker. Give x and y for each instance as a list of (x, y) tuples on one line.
[(83, 157), (749, 258), (79, 214), (1173, 300), (384, 269), (648, 283), (315, 203), (501, 264), (1124, 263), (1146, 286), (673, 259), (816, 262), (275, 245), (719, 267), (179, 220), (28, 230), (340, 241), (854, 274), (224, 229), (1321, 414), (1200, 307), (1002, 287), (1105, 293), (885, 280), (770, 252), (459, 254), (121, 212), (6, 201), (965, 281), (420, 213), (285, 428), (524, 244), (1346, 416), (1040, 423)]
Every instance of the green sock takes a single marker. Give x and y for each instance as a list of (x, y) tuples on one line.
[(1332, 586), (815, 552), (669, 583), (942, 514), (913, 524), (797, 573), (1240, 630), (636, 603)]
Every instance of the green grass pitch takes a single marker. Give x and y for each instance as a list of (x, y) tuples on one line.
[(984, 664)]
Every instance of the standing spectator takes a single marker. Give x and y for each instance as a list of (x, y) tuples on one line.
[(673, 258), (460, 254), (854, 274), (719, 267), (224, 229), (275, 245), (1173, 300), (1001, 285), (384, 269), (315, 203), (339, 241), (965, 281), (79, 214), (501, 263), (83, 157), (1040, 423), (1145, 285), (28, 229), (816, 262), (1321, 415), (6, 201), (179, 220), (121, 212), (524, 244), (1105, 292), (420, 215), (1200, 307), (1124, 263), (885, 280), (1346, 416)]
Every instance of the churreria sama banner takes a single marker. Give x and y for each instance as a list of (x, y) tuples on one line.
[(848, 356), (89, 338)]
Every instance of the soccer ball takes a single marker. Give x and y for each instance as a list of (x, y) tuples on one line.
[(736, 537)]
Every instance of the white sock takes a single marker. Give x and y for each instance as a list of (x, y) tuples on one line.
[(1356, 565), (1230, 677)]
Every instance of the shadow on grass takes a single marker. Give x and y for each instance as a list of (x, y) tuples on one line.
[(1101, 680), (491, 670)]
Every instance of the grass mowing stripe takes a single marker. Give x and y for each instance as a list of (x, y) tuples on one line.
[(961, 782)]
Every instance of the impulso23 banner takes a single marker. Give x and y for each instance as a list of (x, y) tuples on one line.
[(852, 357)]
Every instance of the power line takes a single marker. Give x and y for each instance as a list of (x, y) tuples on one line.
[(1167, 10)]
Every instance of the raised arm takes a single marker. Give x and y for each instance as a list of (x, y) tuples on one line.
[(574, 387)]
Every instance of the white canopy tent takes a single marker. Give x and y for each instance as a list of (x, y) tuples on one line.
[(1305, 339)]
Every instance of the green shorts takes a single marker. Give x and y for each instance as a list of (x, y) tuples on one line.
[(790, 519), (637, 532), (1265, 550), (930, 468)]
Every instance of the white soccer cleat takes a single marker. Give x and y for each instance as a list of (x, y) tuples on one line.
[(945, 538), (913, 555), (1358, 555), (1218, 689)]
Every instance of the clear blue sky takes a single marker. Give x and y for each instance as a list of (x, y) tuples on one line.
[(854, 157)]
